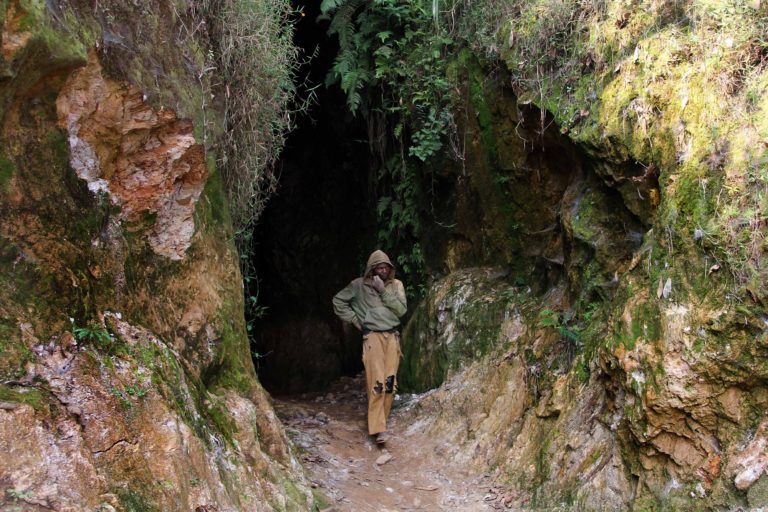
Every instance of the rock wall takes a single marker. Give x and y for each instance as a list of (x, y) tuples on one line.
[(627, 355), (566, 432), (548, 437), (127, 381)]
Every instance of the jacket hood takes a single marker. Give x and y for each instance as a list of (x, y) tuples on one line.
[(374, 259)]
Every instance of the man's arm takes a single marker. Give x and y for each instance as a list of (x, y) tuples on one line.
[(394, 298), (341, 305)]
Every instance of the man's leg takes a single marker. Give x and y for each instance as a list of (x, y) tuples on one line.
[(391, 363), (375, 378)]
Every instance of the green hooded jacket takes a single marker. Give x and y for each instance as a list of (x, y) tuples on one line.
[(360, 304)]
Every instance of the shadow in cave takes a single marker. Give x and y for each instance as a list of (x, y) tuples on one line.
[(314, 235)]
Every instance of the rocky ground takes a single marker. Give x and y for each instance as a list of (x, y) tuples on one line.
[(411, 472)]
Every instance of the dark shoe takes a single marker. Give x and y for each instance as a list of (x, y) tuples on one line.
[(382, 438)]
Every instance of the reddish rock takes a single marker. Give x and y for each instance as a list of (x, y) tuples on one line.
[(147, 161)]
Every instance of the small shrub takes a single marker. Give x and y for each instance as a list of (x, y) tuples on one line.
[(550, 319), (17, 495), (94, 333)]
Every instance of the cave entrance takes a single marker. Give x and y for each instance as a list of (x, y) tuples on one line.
[(314, 235)]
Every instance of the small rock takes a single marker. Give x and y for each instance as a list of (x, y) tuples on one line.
[(384, 459), (74, 410)]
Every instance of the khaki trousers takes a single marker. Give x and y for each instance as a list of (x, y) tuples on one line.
[(381, 357)]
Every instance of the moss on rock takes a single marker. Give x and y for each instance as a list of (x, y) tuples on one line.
[(459, 321)]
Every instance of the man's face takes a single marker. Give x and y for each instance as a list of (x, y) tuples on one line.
[(381, 270)]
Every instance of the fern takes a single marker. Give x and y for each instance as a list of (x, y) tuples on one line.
[(342, 23), (390, 64), (328, 6)]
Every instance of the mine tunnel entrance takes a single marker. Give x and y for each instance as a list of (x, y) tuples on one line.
[(314, 235)]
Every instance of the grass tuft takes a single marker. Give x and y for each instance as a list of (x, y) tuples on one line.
[(257, 61)]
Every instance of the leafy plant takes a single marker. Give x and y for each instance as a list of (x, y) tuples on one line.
[(551, 319), (136, 391), (392, 67), (572, 338), (127, 393), (582, 370), (19, 495), (548, 318), (590, 311), (95, 333), (253, 309), (398, 216), (391, 60)]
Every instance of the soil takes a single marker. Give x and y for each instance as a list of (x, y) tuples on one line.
[(357, 475)]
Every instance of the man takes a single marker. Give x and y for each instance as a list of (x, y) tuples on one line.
[(374, 304)]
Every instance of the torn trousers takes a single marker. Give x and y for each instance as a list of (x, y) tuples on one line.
[(381, 357)]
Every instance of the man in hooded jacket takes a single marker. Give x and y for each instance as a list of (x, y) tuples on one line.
[(374, 304)]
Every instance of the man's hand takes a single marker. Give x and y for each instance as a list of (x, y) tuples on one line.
[(357, 325), (378, 284)]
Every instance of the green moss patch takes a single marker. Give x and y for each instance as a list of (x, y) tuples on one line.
[(25, 395), (221, 420), (7, 169), (435, 343), (14, 353), (133, 501)]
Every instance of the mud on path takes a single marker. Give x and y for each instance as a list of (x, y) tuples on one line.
[(356, 475)]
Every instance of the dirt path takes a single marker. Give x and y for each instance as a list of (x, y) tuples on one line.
[(358, 476)]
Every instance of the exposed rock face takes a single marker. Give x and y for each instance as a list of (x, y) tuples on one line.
[(610, 364), (453, 326), (147, 162), (671, 421), (692, 403), (749, 464), (552, 437), (127, 382), (110, 431)]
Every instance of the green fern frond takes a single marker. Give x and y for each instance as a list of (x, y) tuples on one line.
[(328, 6), (353, 101), (342, 23)]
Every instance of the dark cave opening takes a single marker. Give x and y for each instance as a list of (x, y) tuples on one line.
[(315, 233)]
